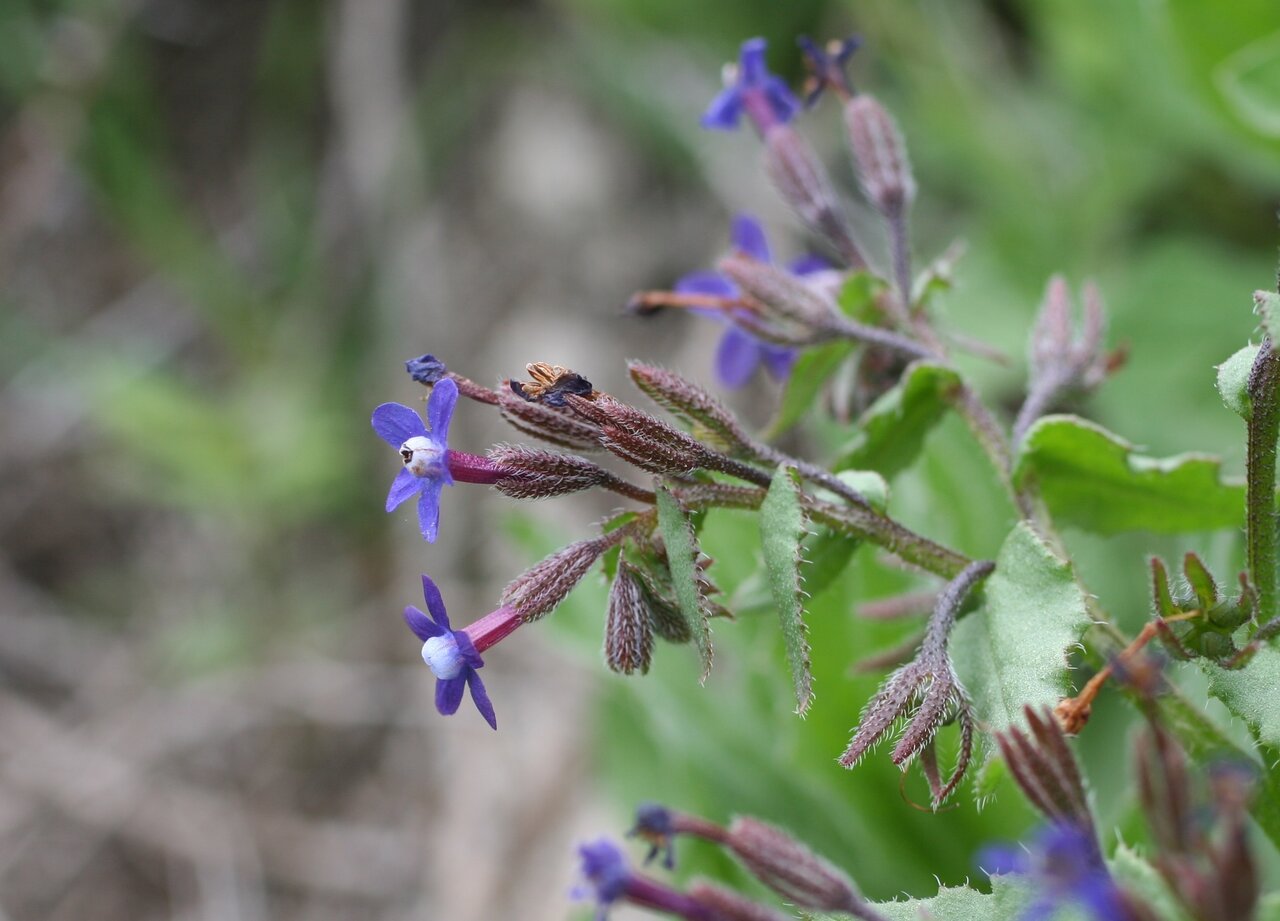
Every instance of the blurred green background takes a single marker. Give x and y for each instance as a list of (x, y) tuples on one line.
[(224, 224)]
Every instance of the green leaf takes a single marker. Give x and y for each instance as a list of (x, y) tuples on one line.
[(782, 527), (811, 372), (1250, 693), (1142, 880), (1094, 480), (1249, 81), (891, 432), (857, 297), (1006, 902), (682, 556), (1233, 380), (1012, 651)]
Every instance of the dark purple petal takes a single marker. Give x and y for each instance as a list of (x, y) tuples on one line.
[(467, 649), (747, 236), (724, 111), (402, 487), (449, 694), (784, 104), (429, 509), (778, 360), (999, 859), (444, 396), (421, 624), (808, 265), (426, 369), (397, 423), (752, 69), (706, 283), (481, 697), (435, 603), (736, 358)]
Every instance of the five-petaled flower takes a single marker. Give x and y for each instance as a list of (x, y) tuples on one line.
[(454, 655), (740, 353), (424, 450), (751, 89)]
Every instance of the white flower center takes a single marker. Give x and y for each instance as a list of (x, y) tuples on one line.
[(422, 457), (442, 657)]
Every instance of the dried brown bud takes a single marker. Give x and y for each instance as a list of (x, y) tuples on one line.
[(550, 384), (727, 905), (803, 184), (628, 638), (880, 156), (535, 474), (539, 589), (789, 868), (556, 426)]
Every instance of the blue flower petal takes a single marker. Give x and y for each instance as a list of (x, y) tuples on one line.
[(435, 604), (748, 237), (397, 423), (402, 487), (444, 396), (481, 698), (429, 509), (724, 111), (421, 625), (752, 69), (808, 265), (706, 283), (778, 360), (737, 357), (781, 100), (449, 694)]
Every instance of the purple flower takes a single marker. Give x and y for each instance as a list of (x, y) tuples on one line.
[(452, 655), (764, 98), (740, 353), (605, 870), (826, 66), (425, 452), (1063, 867)]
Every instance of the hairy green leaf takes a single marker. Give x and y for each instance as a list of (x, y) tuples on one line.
[(1094, 480), (1012, 650), (1140, 879), (1250, 693), (782, 527), (1006, 902), (810, 374), (682, 557), (1233, 380), (891, 432)]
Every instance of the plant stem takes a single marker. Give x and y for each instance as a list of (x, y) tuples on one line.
[(1260, 474)]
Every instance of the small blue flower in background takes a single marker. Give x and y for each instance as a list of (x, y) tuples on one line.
[(1063, 867), (764, 98), (450, 654), (424, 450), (606, 872), (740, 353), (826, 66)]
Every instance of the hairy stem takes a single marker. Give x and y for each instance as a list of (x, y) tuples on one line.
[(1260, 473)]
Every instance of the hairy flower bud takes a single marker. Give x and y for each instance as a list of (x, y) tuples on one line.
[(729, 905), (534, 474), (628, 638), (539, 589), (556, 426), (782, 295), (690, 402), (641, 439), (880, 155), (803, 184), (789, 868)]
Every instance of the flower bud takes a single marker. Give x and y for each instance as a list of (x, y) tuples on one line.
[(641, 439), (782, 295), (556, 426), (535, 474), (690, 402), (426, 369), (880, 155), (730, 906), (789, 868), (803, 184), (628, 638), (539, 589)]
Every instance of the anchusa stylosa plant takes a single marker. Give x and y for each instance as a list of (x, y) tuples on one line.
[(992, 655)]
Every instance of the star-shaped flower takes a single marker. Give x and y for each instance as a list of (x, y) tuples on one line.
[(450, 654), (764, 98), (1063, 867), (423, 448)]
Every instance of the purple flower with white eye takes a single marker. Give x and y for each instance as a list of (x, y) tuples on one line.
[(751, 89), (740, 353), (454, 655), (424, 450), (1063, 867)]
